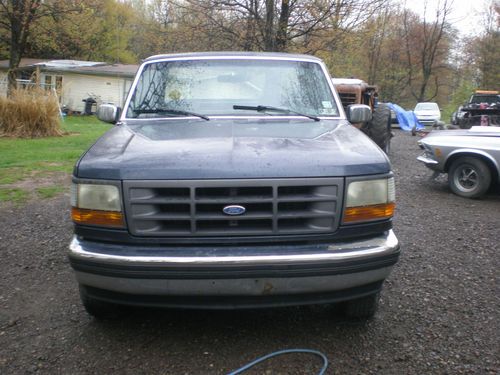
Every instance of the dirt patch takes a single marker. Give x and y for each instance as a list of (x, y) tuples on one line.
[(37, 181), (31, 186)]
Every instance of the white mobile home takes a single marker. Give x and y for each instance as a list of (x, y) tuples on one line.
[(74, 81)]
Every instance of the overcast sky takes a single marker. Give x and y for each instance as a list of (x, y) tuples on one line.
[(465, 16)]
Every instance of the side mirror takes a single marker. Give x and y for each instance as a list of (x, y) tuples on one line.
[(357, 113), (108, 113)]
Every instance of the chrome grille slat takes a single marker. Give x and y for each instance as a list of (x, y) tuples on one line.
[(233, 200), (161, 217), (303, 215), (195, 208), (160, 201), (312, 199)]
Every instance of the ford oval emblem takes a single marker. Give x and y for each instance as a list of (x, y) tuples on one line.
[(234, 210)]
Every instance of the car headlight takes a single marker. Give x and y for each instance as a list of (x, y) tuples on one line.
[(96, 204), (369, 200)]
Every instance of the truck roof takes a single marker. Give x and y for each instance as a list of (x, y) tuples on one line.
[(271, 55), (486, 92), (484, 98)]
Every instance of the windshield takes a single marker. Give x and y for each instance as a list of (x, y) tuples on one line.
[(426, 107), (215, 87), (490, 99)]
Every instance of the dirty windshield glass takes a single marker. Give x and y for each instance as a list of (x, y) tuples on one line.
[(214, 87), (426, 107), (478, 99)]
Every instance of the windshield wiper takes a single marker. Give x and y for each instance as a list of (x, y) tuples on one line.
[(171, 111), (264, 108)]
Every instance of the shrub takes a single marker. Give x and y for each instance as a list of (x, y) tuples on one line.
[(30, 113)]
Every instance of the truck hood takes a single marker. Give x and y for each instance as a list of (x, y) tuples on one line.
[(229, 148)]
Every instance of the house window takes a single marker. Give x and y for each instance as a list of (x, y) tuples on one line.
[(54, 82), (59, 84), (47, 85)]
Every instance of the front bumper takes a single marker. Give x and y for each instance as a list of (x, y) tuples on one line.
[(239, 276), (429, 162), (427, 121)]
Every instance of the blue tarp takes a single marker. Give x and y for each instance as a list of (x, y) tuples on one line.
[(406, 119)]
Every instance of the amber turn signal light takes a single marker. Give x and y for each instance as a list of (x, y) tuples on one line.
[(97, 217), (367, 213)]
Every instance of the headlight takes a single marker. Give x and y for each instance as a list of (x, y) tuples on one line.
[(95, 204), (369, 200)]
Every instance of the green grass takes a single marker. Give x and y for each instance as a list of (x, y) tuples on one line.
[(15, 195), (10, 175), (23, 159), (49, 191), (51, 153)]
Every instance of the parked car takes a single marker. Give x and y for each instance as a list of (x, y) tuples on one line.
[(427, 113), (470, 157), (454, 116), (394, 118), (233, 180)]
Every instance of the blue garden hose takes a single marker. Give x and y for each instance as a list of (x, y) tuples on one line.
[(280, 352)]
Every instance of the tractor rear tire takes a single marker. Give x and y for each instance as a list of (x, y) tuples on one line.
[(379, 128)]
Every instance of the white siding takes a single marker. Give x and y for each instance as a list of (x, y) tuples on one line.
[(3, 83), (77, 87)]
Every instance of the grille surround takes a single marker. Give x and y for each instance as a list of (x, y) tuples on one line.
[(193, 208), (348, 98)]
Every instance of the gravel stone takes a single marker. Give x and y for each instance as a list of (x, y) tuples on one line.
[(438, 314)]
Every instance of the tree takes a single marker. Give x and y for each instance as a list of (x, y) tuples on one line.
[(16, 21), (279, 25), (99, 30), (383, 56), (426, 49), (488, 49), (17, 17)]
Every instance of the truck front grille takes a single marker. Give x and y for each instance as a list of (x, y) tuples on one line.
[(348, 98), (195, 208)]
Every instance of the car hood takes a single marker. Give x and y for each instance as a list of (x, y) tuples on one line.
[(475, 131), (261, 148)]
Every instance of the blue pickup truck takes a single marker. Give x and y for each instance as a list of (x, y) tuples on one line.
[(233, 180)]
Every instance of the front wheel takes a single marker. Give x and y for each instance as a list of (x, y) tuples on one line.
[(362, 308), (469, 177), (98, 309)]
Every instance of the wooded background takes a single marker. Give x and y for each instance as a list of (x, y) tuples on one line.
[(411, 58)]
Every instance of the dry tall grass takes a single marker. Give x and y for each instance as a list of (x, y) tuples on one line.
[(30, 113)]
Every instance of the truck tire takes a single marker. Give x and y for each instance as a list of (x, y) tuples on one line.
[(362, 308), (379, 128), (98, 309), (469, 177)]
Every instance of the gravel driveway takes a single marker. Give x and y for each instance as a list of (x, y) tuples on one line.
[(439, 311)]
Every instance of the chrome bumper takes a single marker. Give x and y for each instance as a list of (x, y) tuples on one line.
[(426, 160), (236, 271), (427, 121), (429, 163)]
